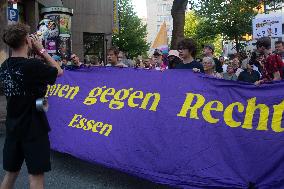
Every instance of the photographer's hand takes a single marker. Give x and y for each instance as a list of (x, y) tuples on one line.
[(37, 45)]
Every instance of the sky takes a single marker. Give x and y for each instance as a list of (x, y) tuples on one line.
[(140, 7)]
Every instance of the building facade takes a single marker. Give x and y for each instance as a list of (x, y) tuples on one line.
[(91, 30), (92, 25), (28, 11), (158, 11)]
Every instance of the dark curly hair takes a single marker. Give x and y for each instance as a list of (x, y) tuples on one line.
[(114, 49), (279, 42), (14, 35), (263, 42), (188, 44)]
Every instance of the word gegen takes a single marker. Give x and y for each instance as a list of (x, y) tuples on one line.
[(191, 108), (117, 98)]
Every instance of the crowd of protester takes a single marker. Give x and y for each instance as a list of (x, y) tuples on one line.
[(260, 67), (25, 80)]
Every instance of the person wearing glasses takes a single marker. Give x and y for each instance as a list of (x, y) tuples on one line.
[(76, 61), (187, 51)]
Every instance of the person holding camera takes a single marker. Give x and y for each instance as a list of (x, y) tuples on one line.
[(25, 81)]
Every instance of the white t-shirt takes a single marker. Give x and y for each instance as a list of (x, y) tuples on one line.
[(256, 69), (225, 68), (239, 71), (117, 65)]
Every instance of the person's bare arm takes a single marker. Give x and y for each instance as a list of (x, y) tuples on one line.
[(37, 44), (259, 82), (277, 76)]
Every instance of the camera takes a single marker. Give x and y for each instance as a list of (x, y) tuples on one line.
[(42, 104)]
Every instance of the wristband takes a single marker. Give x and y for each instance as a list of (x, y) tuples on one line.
[(42, 51)]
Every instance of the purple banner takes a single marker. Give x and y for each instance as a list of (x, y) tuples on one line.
[(174, 127)]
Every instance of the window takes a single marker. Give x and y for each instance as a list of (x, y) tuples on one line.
[(169, 7), (94, 44), (163, 7), (158, 27), (159, 8), (168, 18)]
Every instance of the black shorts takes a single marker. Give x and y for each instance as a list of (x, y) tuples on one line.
[(36, 154)]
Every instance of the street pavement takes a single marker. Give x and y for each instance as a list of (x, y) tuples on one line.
[(71, 173)]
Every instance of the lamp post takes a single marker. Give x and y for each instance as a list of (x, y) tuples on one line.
[(106, 45), (105, 57)]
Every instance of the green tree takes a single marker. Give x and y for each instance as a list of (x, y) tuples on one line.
[(196, 28), (132, 34), (230, 18)]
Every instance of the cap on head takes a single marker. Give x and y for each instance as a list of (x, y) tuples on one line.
[(210, 46), (173, 53)]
